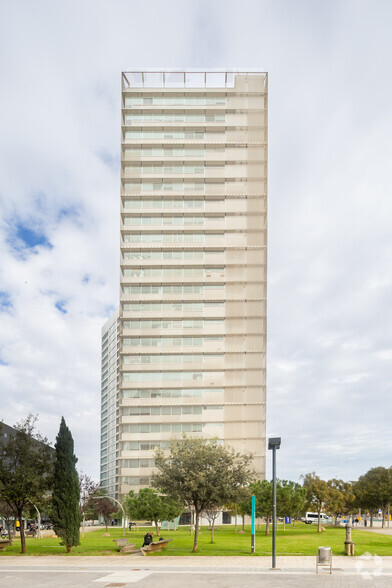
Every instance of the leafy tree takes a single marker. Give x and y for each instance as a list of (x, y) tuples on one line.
[(262, 490), (25, 468), (290, 498), (243, 504), (317, 494), (211, 515), (201, 474), (235, 508), (103, 506), (7, 513), (148, 504), (65, 512), (87, 488), (340, 497), (373, 490)]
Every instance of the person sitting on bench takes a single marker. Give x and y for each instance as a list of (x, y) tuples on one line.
[(148, 538)]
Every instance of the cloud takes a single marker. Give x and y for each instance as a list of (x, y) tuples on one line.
[(329, 311)]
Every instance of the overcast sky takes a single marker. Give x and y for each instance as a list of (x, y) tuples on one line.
[(330, 208)]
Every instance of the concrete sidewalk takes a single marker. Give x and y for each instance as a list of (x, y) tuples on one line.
[(380, 530), (256, 563)]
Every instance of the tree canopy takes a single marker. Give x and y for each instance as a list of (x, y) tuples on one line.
[(291, 498), (317, 494), (373, 490), (202, 474), (149, 505), (25, 468), (341, 497), (101, 505), (87, 488)]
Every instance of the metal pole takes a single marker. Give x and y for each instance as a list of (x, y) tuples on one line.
[(253, 524), (39, 522), (274, 508)]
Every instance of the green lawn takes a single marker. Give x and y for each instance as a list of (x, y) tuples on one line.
[(302, 540)]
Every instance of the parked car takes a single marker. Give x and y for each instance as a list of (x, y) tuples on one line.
[(312, 517)]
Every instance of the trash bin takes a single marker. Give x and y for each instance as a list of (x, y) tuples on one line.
[(324, 554), (324, 558)]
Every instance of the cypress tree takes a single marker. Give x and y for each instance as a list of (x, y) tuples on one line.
[(66, 492)]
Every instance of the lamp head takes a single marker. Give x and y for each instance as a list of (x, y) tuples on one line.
[(274, 442)]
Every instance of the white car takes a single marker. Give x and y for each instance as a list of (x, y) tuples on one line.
[(312, 517)]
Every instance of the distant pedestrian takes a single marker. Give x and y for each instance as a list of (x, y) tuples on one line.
[(365, 522)]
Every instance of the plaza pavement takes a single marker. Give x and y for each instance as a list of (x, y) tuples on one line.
[(285, 564), (219, 572)]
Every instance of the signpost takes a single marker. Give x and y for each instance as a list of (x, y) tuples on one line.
[(253, 524)]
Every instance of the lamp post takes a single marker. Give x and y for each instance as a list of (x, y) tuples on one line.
[(39, 522), (274, 444), (120, 505)]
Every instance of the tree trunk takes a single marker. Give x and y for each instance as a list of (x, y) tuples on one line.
[(84, 518), (267, 525), (69, 548), (197, 518), (371, 519), (212, 530), (22, 534), (157, 527), (293, 522), (319, 522), (284, 523), (382, 519), (243, 522), (235, 520)]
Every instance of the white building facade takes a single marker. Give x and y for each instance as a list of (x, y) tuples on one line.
[(192, 317)]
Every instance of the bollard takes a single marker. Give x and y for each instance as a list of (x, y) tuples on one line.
[(348, 544)]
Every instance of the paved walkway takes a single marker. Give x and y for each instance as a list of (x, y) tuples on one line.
[(259, 563), (219, 572), (384, 531)]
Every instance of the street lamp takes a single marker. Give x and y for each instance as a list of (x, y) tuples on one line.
[(274, 444), (120, 505), (39, 522)]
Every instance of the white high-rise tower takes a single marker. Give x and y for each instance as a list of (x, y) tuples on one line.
[(192, 319)]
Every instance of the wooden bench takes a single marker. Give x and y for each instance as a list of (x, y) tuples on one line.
[(122, 542), (155, 546), (4, 543), (123, 545)]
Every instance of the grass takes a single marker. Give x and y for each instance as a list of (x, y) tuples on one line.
[(300, 540)]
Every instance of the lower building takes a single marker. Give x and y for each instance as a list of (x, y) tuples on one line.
[(110, 407)]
